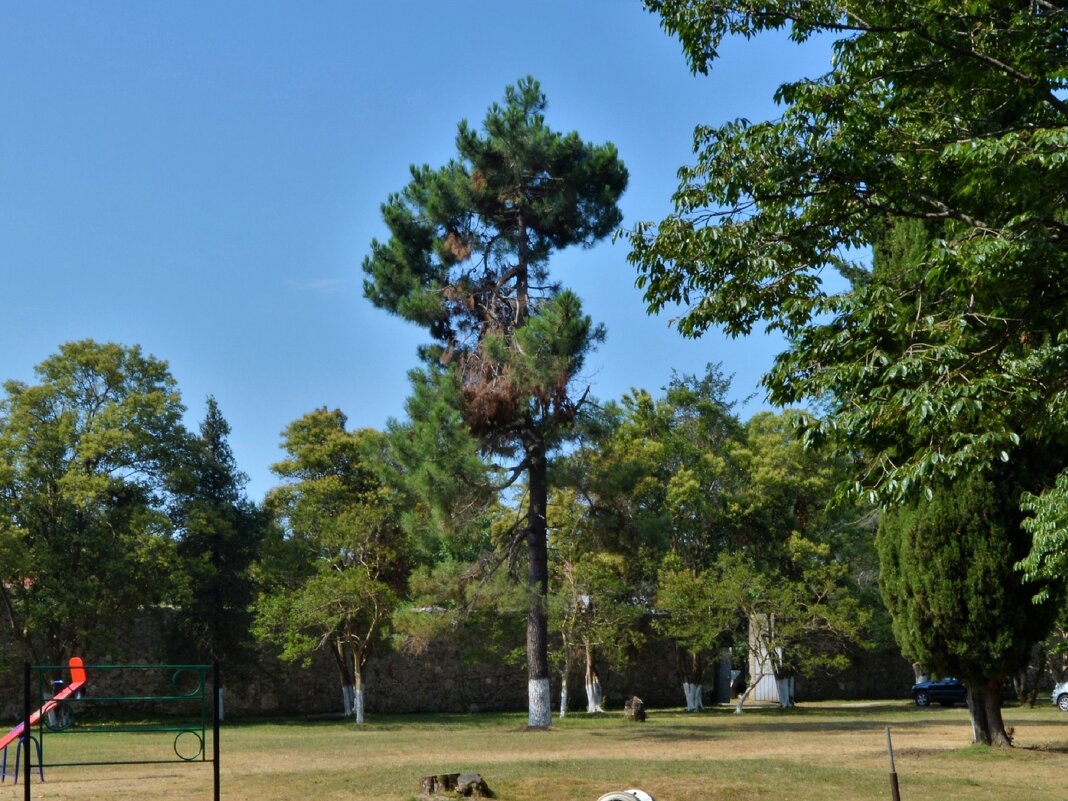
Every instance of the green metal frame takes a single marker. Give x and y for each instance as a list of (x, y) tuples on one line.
[(199, 696)]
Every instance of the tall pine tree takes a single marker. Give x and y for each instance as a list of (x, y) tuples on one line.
[(467, 258), (219, 536)]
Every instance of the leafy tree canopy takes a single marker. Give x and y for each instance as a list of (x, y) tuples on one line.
[(341, 559), (86, 455), (949, 117)]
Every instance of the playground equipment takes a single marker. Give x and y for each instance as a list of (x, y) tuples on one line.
[(181, 707), (77, 681)]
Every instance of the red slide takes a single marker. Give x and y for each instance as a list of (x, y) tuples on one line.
[(77, 679)]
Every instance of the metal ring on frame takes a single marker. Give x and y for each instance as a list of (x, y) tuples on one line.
[(199, 689), (200, 745)]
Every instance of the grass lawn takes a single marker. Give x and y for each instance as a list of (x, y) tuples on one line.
[(817, 752)]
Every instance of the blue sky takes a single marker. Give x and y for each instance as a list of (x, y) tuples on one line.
[(203, 179)]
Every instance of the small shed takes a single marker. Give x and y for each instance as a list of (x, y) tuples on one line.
[(767, 689)]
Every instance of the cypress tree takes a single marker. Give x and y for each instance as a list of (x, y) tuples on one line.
[(959, 606)]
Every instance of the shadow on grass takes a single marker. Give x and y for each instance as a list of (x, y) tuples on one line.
[(677, 724), (388, 721)]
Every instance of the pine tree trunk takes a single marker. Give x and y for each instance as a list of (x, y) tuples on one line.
[(539, 703)]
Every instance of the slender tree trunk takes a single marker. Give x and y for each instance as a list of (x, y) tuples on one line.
[(357, 686), (337, 649), (564, 673), (753, 682), (593, 682), (984, 707), (539, 702), (522, 288)]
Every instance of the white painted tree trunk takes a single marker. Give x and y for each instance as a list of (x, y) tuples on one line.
[(358, 704), (357, 681), (563, 696), (348, 697), (693, 694), (594, 697), (539, 704), (785, 689), (753, 682), (593, 681)]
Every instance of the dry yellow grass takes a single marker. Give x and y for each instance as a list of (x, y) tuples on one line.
[(819, 752)]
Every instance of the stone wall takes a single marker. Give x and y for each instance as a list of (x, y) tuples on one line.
[(872, 675), (440, 680)]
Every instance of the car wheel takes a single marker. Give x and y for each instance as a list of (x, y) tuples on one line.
[(1062, 702), (922, 698)]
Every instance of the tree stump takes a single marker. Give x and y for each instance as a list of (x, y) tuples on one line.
[(472, 785), (439, 784), (634, 709), (455, 785)]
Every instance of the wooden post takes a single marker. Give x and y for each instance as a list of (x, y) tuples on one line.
[(895, 793)]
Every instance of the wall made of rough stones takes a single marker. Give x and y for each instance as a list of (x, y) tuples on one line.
[(872, 675), (439, 680)]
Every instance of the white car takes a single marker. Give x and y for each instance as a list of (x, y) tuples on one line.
[(1059, 696)]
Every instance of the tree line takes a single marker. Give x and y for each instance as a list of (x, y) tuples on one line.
[(668, 515), (924, 173)]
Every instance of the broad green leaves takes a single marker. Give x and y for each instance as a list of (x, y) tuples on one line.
[(336, 575), (86, 456), (943, 124)]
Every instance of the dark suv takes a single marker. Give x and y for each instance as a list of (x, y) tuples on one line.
[(947, 692)]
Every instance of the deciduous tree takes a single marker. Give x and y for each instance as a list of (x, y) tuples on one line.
[(86, 454), (657, 476), (594, 610), (336, 576), (936, 138), (951, 117)]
